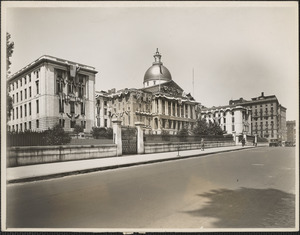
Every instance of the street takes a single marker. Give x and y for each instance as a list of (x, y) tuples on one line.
[(252, 188)]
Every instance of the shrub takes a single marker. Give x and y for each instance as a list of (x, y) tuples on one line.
[(77, 130), (56, 136)]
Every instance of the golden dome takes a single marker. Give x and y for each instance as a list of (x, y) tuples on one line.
[(157, 71)]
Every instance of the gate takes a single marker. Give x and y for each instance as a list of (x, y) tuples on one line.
[(129, 140)]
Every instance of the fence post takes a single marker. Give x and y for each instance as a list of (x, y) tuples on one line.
[(117, 135), (140, 137)]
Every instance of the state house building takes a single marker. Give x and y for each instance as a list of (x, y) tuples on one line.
[(161, 104), (49, 91)]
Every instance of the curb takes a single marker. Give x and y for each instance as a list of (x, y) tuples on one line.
[(78, 172)]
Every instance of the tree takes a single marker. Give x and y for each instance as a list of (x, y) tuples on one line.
[(57, 136), (201, 127), (214, 128), (9, 51), (9, 106), (77, 129)]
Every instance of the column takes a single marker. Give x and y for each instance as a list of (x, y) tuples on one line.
[(189, 111), (159, 106), (176, 109), (166, 107), (140, 137), (117, 135), (183, 110), (171, 114)]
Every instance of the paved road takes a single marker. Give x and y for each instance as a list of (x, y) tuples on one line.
[(245, 189)]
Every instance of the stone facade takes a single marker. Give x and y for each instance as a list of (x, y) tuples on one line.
[(268, 116), (291, 131), (52, 90), (233, 119)]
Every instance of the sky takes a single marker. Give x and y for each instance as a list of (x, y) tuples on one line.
[(235, 50)]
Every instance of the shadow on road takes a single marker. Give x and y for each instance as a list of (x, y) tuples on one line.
[(249, 208)]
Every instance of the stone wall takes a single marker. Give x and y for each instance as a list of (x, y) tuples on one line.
[(21, 156), (173, 146)]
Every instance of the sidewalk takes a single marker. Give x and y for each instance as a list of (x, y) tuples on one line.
[(59, 169)]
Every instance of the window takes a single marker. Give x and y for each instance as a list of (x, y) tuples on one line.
[(105, 122), (105, 103), (29, 125), (37, 74), (37, 106), (13, 98), (37, 87), (21, 127), (30, 91), (17, 113), (72, 124), (25, 110), (29, 109), (25, 80), (17, 97), (98, 121), (21, 111), (72, 107), (83, 124), (233, 128), (17, 127), (25, 126), (62, 122), (105, 111), (13, 114), (37, 124), (82, 108), (13, 86), (25, 94), (61, 106), (232, 119)]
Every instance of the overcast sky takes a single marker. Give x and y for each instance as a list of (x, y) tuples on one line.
[(235, 51)]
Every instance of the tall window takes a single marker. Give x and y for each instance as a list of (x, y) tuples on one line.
[(29, 108), (13, 114), (25, 126), (105, 122), (25, 110), (82, 108), (17, 113), (37, 124), (37, 106), (72, 124), (17, 95), (21, 95), (13, 98), (83, 124), (25, 80), (21, 111), (37, 87), (72, 107), (37, 74), (62, 122), (30, 91), (25, 93), (29, 125), (61, 106)]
